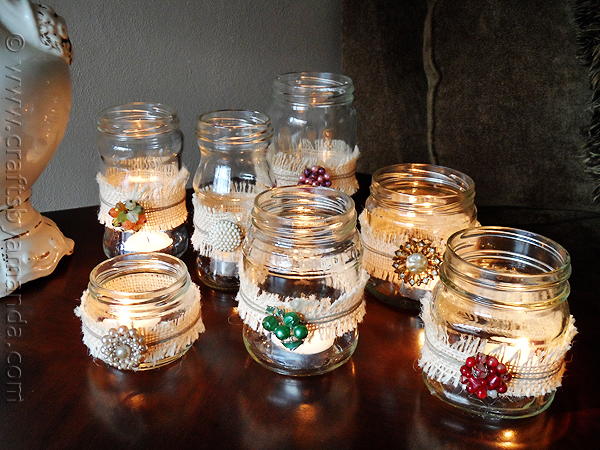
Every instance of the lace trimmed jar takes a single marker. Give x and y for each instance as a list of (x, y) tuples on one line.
[(498, 328), (233, 169), (412, 210), (142, 183), (315, 127), (301, 280), (140, 311)]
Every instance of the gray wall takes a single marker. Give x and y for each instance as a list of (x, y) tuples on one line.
[(196, 56)]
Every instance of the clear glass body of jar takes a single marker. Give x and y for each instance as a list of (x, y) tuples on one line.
[(151, 293), (503, 293), (314, 124), (233, 169), (410, 203), (140, 146), (303, 249)]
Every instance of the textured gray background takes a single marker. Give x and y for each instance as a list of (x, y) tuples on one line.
[(196, 56), (509, 105), (508, 109)]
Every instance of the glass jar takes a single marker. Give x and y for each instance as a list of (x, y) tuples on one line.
[(301, 280), (412, 210), (498, 328), (142, 182), (233, 169), (140, 311), (314, 126)]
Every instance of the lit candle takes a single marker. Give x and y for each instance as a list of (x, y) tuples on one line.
[(311, 345), (147, 241), (511, 351)]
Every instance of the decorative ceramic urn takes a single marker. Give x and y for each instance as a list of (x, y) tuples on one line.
[(35, 100)]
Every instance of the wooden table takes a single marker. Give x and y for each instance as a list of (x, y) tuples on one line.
[(216, 396)]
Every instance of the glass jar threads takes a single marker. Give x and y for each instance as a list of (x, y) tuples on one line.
[(233, 169), (142, 182), (140, 311), (412, 210), (315, 131), (498, 327), (301, 280)]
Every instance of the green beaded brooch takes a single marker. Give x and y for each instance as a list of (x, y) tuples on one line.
[(289, 327)]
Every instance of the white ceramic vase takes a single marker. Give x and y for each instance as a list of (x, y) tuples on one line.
[(35, 101)]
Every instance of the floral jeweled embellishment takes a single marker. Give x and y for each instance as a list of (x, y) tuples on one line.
[(225, 235), (417, 262), (128, 215), (123, 348), (289, 327), (484, 376)]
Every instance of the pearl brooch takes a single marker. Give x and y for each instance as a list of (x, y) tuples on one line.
[(225, 235), (123, 348)]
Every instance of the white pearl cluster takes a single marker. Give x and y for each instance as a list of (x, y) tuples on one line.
[(225, 236), (123, 348)]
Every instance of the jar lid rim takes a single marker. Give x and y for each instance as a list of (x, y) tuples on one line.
[(181, 278), (137, 120), (339, 213), (561, 272), (233, 127), (461, 187)]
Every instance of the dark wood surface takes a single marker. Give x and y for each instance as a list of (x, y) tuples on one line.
[(216, 396)]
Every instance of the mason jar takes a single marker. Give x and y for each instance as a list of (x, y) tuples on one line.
[(411, 211), (141, 181), (140, 311), (233, 169), (314, 128), (301, 280), (498, 327)]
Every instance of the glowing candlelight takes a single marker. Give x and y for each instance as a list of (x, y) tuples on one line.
[(311, 345), (511, 351), (147, 241)]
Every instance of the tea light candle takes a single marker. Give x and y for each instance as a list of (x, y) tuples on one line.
[(147, 241), (310, 346), (140, 311)]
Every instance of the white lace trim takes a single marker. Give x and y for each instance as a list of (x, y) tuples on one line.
[(336, 156), (164, 338), (163, 199), (540, 373), (327, 318), (212, 209)]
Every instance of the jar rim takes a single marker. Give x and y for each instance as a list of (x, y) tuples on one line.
[(554, 269), (304, 214), (138, 263), (230, 129), (427, 186), (314, 88), (137, 120)]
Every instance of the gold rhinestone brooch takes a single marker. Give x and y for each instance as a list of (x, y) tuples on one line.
[(417, 262)]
